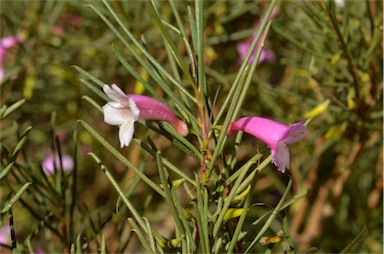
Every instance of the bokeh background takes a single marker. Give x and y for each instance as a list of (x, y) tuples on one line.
[(340, 161)]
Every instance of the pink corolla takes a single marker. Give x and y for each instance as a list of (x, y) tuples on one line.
[(125, 109), (266, 55), (49, 166), (276, 135), (6, 44)]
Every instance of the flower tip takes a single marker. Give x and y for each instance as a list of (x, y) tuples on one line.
[(229, 130), (182, 128)]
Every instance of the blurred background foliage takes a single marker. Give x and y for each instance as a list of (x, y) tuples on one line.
[(329, 67)]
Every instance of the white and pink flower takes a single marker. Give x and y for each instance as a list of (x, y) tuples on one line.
[(125, 109)]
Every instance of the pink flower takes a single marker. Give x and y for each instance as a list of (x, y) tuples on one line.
[(276, 135), (125, 109), (6, 44), (5, 233), (266, 54), (49, 166)]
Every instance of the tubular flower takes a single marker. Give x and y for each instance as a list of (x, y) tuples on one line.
[(125, 109), (276, 135)]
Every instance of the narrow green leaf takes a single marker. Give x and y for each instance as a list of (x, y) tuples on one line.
[(7, 207), (15, 153), (78, 244), (202, 229), (95, 89), (285, 205), (263, 28), (150, 68), (13, 234), (190, 148), (192, 24), (103, 249), (92, 102), (288, 236), (354, 246), (167, 38), (178, 19), (249, 79), (141, 237), (137, 76), (90, 76), (244, 184), (271, 218), (155, 75), (5, 111), (182, 224), (122, 158), (129, 205), (199, 17), (291, 39), (150, 237), (237, 234), (222, 135), (73, 249), (29, 245), (234, 191), (166, 162)]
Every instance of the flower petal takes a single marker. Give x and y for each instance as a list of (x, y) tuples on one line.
[(295, 133), (119, 97), (126, 132), (117, 114), (280, 157), (116, 94)]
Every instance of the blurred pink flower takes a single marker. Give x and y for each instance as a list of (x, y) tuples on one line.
[(57, 30), (66, 21), (5, 233), (276, 135), (125, 109), (73, 20), (49, 166), (266, 54), (5, 238), (6, 44)]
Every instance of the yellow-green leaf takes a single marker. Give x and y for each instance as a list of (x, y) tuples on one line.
[(175, 183), (318, 109), (242, 195), (233, 213), (350, 99), (336, 131), (187, 214), (139, 87), (29, 86)]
